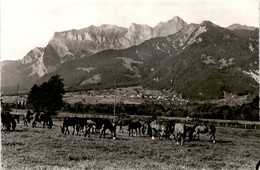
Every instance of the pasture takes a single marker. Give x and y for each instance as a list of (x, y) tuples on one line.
[(42, 148)]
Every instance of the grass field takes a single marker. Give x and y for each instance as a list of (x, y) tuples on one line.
[(41, 148)]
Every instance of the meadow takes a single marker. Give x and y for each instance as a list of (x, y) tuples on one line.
[(42, 148)]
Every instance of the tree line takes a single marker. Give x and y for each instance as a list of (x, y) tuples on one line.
[(249, 111), (48, 97)]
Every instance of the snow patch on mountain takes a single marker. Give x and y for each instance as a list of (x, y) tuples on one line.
[(87, 69), (209, 60), (196, 33), (87, 36), (225, 63), (253, 74), (251, 47), (127, 62), (92, 80)]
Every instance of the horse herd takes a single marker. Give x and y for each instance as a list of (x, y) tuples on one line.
[(152, 127)]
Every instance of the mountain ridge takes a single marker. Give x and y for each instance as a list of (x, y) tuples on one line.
[(193, 57), (73, 44), (205, 49)]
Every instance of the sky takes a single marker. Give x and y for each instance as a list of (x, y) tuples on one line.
[(26, 24)]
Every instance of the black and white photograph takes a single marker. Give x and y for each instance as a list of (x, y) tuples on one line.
[(129, 84)]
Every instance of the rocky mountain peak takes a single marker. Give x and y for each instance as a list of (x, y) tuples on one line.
[(32, 56), (170, 27), (208, 24)]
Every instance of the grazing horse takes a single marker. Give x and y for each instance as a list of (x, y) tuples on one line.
[(27, 118), (99, 123), (190, 130), (205, 129), (123, 122), (146, 128), (69, 121), (180, 133), (42, 117), (89, 124), (46, 119), (7, 120), (16, 117), (134, 125), (81, 122), (162, 128), (107, 124)]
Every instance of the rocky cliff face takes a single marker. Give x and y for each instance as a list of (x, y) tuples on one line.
[(32, 56), (74, 44)]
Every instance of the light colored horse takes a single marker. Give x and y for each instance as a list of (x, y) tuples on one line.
[(161, 128), (180, 133), (205, 129)]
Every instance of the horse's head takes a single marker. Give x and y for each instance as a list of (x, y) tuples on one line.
[(115, 124)]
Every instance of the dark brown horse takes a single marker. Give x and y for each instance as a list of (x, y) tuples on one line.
[(42, 117), (190, 131), (27, 118), (7, 120), (107, 124), (123, 122), (69, 121), (134, 125)]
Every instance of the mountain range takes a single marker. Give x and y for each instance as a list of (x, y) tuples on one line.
[(197, 60)]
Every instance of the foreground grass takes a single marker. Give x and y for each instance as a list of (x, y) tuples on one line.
[(38, 148)]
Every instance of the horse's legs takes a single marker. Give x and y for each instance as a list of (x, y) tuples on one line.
[(13, 124), (213, 136), (73, 130), (25, 122), (87, 131), (104, 133), (67, 130), (182, 139), (121, 129), (153, 133), (101, 133), (114, 135), (160, 135)]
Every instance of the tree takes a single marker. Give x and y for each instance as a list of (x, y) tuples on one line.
[(48, 96)]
